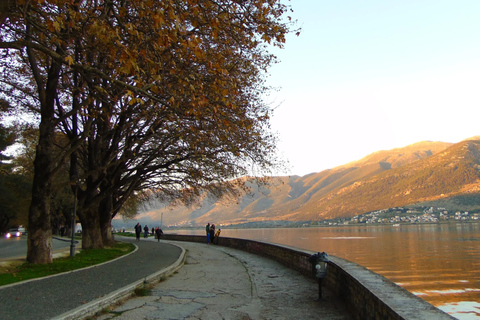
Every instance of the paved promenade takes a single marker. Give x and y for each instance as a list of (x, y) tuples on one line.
[(58, 296), (214, 283)]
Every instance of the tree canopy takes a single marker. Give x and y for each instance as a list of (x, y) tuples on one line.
[(150, 94)]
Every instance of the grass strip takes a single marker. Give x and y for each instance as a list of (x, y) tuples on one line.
[(85, 258)]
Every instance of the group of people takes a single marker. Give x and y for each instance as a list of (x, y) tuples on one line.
[(157, 232), (211, 234)]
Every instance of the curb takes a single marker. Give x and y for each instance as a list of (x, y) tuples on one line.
[(93, 307)]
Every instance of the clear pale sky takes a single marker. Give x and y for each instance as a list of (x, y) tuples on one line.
[(373, 75)]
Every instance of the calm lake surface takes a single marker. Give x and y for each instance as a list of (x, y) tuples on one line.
[(437, 262)]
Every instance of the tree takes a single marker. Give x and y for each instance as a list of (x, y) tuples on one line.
[(61, 201), (200, 136), (195, 68)]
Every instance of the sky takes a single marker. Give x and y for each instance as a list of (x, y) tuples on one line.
[(365, 76)]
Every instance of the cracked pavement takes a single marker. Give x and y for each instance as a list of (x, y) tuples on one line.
[(224, 283)]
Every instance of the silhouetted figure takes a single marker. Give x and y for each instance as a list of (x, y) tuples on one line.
[(159, 232), (138, 231), (146, 231)]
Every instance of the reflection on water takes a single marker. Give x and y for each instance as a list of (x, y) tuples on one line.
[(439, 263)]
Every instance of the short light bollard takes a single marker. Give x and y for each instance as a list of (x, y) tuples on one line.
[(319, 263)]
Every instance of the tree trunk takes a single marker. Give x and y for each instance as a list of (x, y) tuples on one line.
[(68, 225), (39, 241), (107, 236), (39, 225), (40, 246), (91, 233), (104, 213)]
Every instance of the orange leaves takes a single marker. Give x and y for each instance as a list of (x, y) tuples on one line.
[(158, 19), (202, 61), (69, 60), (171, 13), (55, 25), (132, 29), (128, 67), (133, 99), (203, 101)]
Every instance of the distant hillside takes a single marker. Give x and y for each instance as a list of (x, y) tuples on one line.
[(422, 172)]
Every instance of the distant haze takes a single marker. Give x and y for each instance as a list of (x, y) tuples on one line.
[(424, 171)]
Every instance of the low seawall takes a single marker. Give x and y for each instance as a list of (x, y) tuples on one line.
[(367, 295)]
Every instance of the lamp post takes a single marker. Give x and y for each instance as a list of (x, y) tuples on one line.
[(74, 214), (319, 263)]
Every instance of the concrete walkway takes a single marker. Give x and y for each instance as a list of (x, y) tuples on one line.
[(224, 283), (212, 282)]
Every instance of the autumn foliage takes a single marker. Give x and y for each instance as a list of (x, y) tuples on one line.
[(151, 94)]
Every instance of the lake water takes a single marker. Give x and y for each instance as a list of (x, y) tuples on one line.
[(437, 262)]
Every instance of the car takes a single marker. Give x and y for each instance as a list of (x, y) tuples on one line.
[(15, 232)]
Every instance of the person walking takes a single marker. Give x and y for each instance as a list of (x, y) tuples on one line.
[(146, 231), (138, 231), (207, 229), (158, 232), (212, 233), (217, 234)]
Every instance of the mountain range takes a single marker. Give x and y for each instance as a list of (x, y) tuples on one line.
[(430, 173)]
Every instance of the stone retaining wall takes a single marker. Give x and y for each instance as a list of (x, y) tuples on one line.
[(366, 294)]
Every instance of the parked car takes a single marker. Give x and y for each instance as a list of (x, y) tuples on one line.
[(15, 232)]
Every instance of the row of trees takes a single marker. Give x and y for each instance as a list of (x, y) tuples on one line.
[(134, 95), (16, 175)]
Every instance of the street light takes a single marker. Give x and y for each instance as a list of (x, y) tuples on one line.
[(319, 263)]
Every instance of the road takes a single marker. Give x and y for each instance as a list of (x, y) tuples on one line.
[(17, 247)]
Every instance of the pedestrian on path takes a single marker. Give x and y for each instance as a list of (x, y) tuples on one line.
[(138, 231), (217, 234), (159, 232), (207, 229), (146, 231), (212, 233)]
